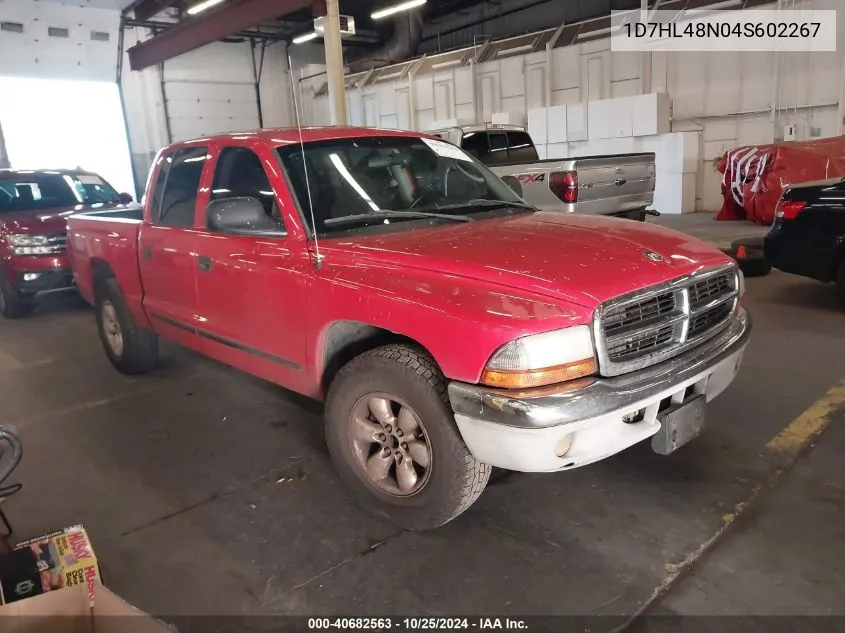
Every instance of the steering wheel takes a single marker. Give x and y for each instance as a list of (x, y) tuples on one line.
[(420, 199), (473, 177)]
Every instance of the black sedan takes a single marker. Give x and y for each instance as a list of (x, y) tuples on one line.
[(808, 235)]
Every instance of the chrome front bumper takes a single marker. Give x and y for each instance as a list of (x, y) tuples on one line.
[(502, 428)]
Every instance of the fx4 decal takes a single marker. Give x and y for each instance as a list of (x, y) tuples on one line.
[(525, 178)]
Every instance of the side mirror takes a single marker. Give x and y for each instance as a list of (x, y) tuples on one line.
[(241, 216), (514, 184), (125, 198)]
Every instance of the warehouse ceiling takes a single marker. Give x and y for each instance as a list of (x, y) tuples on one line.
[(97, 4), (436, 26)]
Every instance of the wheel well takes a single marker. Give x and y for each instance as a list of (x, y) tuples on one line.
[(100, 270), (345, 340)]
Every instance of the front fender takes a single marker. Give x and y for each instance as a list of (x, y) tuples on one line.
[(460, 321)]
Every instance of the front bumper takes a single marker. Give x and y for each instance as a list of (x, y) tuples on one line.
[(35, 283), (524, 432)]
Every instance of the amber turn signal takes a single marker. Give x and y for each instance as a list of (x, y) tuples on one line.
[(522, 379)]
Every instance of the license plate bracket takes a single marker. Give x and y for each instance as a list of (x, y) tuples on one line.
[(679, 424)]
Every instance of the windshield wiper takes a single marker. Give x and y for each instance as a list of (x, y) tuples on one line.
[(484, 202), (386, 214)]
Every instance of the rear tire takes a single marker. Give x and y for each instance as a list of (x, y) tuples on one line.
[(12, 305), (411, 384), (840, 281), (130, 348)]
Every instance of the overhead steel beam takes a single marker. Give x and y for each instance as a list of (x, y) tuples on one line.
[(145, 9), (160, 27), (230, 18)]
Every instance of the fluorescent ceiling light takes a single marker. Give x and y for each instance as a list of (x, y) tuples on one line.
[(305, 38), (202, 6), (451, 62), (721, 5), (584, 34), (396, 8), (515, 49)]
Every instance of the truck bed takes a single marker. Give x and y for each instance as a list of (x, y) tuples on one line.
[(597, 157), (105, 243)]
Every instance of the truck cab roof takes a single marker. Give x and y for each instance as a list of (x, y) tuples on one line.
[(286, 135)]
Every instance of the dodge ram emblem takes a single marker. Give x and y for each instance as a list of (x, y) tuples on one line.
[(655, 257)]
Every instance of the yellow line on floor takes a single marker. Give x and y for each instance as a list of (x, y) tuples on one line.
[(7, 361), (788, 443), (814, 420)]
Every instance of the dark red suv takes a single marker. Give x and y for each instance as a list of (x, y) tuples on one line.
[(34, 207)]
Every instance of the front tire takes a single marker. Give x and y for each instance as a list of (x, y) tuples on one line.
[(130, 348), (840, 282), (12, 305), (393, 439)]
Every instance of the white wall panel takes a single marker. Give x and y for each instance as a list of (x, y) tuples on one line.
[(463, 86), (490, 101), (593, 69), (371, 114), (566, 64), (536, 86), (443, 100), (465, 112), (424, 93), (403, 109), (387, 98), (33, 53), (512, 73)]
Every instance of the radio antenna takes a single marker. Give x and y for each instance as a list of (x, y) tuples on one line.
[(318, 263)]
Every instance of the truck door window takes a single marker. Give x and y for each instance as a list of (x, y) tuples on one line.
[(179, 197), (238, 174), (475, 144), (521, 148), (498, 148)]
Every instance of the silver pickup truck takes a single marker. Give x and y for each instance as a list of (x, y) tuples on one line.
[(619, 185)]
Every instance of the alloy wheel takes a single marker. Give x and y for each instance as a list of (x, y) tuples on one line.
[(390, 444)]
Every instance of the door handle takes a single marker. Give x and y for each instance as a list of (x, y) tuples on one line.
[(147, 252), (204, 263)]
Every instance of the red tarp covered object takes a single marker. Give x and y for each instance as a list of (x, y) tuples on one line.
[(755, 176)]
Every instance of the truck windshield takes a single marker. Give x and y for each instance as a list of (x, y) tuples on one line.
[(21, 191), (345, 179)]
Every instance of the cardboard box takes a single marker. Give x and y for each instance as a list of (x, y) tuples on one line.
[(68, 610), (53, 561)]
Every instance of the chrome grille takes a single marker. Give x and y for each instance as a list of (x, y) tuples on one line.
[(57, 242), (628, 315), (646, 327)]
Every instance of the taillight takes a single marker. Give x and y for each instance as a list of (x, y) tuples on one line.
[(789, 209), (564, 184)]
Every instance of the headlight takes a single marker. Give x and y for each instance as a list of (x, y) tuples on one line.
[(542, 359), (27, 239), (34, 244)]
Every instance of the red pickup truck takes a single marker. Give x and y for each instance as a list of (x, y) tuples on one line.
[(34, 207), (449, 327)]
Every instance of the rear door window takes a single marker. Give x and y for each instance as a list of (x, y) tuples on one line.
[(498, 148), (179, 178), (521, 148), (475, 144)]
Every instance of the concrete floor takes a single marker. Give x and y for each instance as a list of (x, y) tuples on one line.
[(178, 477)]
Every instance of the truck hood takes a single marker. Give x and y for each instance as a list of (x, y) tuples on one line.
[(585, 260), (46, 220)]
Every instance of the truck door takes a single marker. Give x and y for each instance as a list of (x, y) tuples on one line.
[(251, 288), (167, 251)]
